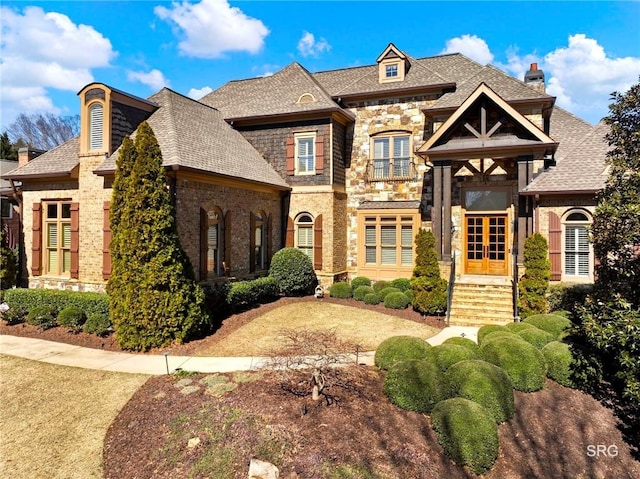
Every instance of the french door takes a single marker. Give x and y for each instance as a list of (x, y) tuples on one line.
[(486, 244)]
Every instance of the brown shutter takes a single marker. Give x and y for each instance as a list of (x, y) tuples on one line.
[(268, 241), (319, 154), (291, 153), (75, 239), (106, 241), (289, 241), (317, 243), (555, 246), (36, 241), (227, 243), (204, 247), (252, 242)]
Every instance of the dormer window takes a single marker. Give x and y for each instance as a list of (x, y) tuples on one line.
[(393, 65), (391, 71), (96, 123)]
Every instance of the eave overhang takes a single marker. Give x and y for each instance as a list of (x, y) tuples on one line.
[(339, 114), (394, 92)]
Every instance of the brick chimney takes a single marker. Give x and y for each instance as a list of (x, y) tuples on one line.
[(535, 78), (25, 155)]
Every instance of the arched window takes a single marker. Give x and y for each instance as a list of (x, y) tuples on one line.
[(577, 250), (304, 234), (259, 246), (214, 250), (96, 122)]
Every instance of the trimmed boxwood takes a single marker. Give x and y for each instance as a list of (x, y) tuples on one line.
[(246, 293), (72, 318), (372, 298), (396, 300), (414, 385), (498, 334), (559, 362), (551, 323), (400, 348), (403, 284), (361, 291), (380, 285), (537, 337), (385, 291), (484, 383), (341, 289), (293, 271), (467, 432), (29, 298), (486, 329), (466, 342), (43, 316), (517, 327), (446, 355), (409, 294), (98, 324), (360, 281), (522, 361)]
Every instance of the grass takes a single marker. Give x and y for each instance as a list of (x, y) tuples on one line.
[(365, 328), (54, 418)]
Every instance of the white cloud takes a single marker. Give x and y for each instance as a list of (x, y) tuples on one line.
[(471, 46), (41, 51), (197, 93), (212, 27), (154, 79), (308, 46)]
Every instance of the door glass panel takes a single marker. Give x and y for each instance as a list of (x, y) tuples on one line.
[(486, 200)]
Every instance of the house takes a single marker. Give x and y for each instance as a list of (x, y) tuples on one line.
[(345, 165)]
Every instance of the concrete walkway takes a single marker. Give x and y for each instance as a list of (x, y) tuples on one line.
[(78, 356)]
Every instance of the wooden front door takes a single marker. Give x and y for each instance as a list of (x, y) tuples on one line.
[(486, 244)]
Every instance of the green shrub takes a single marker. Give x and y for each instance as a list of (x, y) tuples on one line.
[(360, 281), (484, 383), (551, 323), (446, 355), (385, 291), (493, 335), (466, 342), (396, 301), (559, 362), (486, 329), (372, 298), (537, 337), (15, 315), (246, 293), (429, 295), (409, 294), (341, 289), (414, 385), (8, 263), (517, 327), (567, 296), (380, 285), (361, 291), (467, 432), (98, 324), (534, 284), (43, 316), (293, 271), (403, 284), (524, 364), (72, 318), (400, 348), (29, 298)]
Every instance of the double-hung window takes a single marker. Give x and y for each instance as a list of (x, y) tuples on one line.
[(391, 157), (57, 238), (305, 154), (304, 235), (576, 245)]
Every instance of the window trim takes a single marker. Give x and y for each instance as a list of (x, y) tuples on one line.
[(60, 222), (586, 223), (219, 223), (400, 65), (296, 140)]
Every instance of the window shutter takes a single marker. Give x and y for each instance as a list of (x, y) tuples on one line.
[(227, 242), (75, 239), (106, 241), (317, 243), (291, 153), (252, 242), (268, 235), (204, 249), (319, 154), (555, 246), (36, 243), (289, 242)]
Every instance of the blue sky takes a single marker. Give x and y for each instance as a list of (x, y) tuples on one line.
[(50, 50)]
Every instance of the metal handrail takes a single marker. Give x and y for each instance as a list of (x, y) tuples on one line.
[(514, 285), (452, 280), (391, 173)]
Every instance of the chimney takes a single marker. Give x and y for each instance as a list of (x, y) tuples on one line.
[(535, 78), (25, 155)]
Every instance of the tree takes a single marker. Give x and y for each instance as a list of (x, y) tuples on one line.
[(8, 263), (534, 284), (429, 289), (154, 299), (8, 151), (44, 131)]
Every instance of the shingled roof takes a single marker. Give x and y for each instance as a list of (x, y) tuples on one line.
[(59, 161), (195, 136)]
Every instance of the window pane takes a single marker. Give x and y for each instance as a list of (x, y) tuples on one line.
[(370, 253), (388, 235), (381, 168), (388, 255), (259, 236), (66, 235), (305, 155), (407, 236), (407, 256), (212, 236), (305, 236), (52, 235), (583, 264), (401, 167), (485, 200), (381, 148), (52, 265), (570, 264), (66, 210), (401, 147), (66, 261), (370, 235), (582, 238), (308, 252), (52, 211)]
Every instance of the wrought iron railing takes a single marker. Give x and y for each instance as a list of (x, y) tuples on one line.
[(450, 286), (515, 290), (391, 169)]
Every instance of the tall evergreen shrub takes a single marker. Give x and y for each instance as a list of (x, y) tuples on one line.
[(8, 263), (534, 284), (154, 299), (429, 289)]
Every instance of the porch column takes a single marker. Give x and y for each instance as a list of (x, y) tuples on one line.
[(446, 211), (525, 206), (436, 217)]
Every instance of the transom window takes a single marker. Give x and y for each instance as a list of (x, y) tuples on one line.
[(57, 238), (577, 251), (391, 158), (96, 120), (305, 154)]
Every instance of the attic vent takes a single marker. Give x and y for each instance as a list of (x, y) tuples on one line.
[(306, 98), (96, 116)]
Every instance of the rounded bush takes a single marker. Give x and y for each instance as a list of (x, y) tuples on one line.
[(403, 284), (466, 342), (486, 329), (537, 337), (409, 294), (484, 383), (360, 281), (293, 271), (467, 432), (15, 315), (446, 355), (397, 300), (517, 327), (385, 291), (400, 348), (341, 289), (559, 362), (380, 285), (361, 291), (372, 298), (490, 336), (72, 317), (98, 324), (522, 361), (551, 323), (43, 316), (414, 385)]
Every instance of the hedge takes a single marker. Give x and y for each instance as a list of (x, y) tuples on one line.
[(396, 300), (551, 323), (414, 385), (251, 292), (400, 348), (559, 362), (446, 355), (524, 364), (30, 298), (43, 316), (361, 291)]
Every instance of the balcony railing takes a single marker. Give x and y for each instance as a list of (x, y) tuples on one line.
[(391, 169)]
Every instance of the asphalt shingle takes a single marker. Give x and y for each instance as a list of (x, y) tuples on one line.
[(59, 161)]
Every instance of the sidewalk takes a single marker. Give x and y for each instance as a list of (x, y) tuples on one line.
[(77, 356)]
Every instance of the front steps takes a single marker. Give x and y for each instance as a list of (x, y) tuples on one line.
[(479, 300)]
